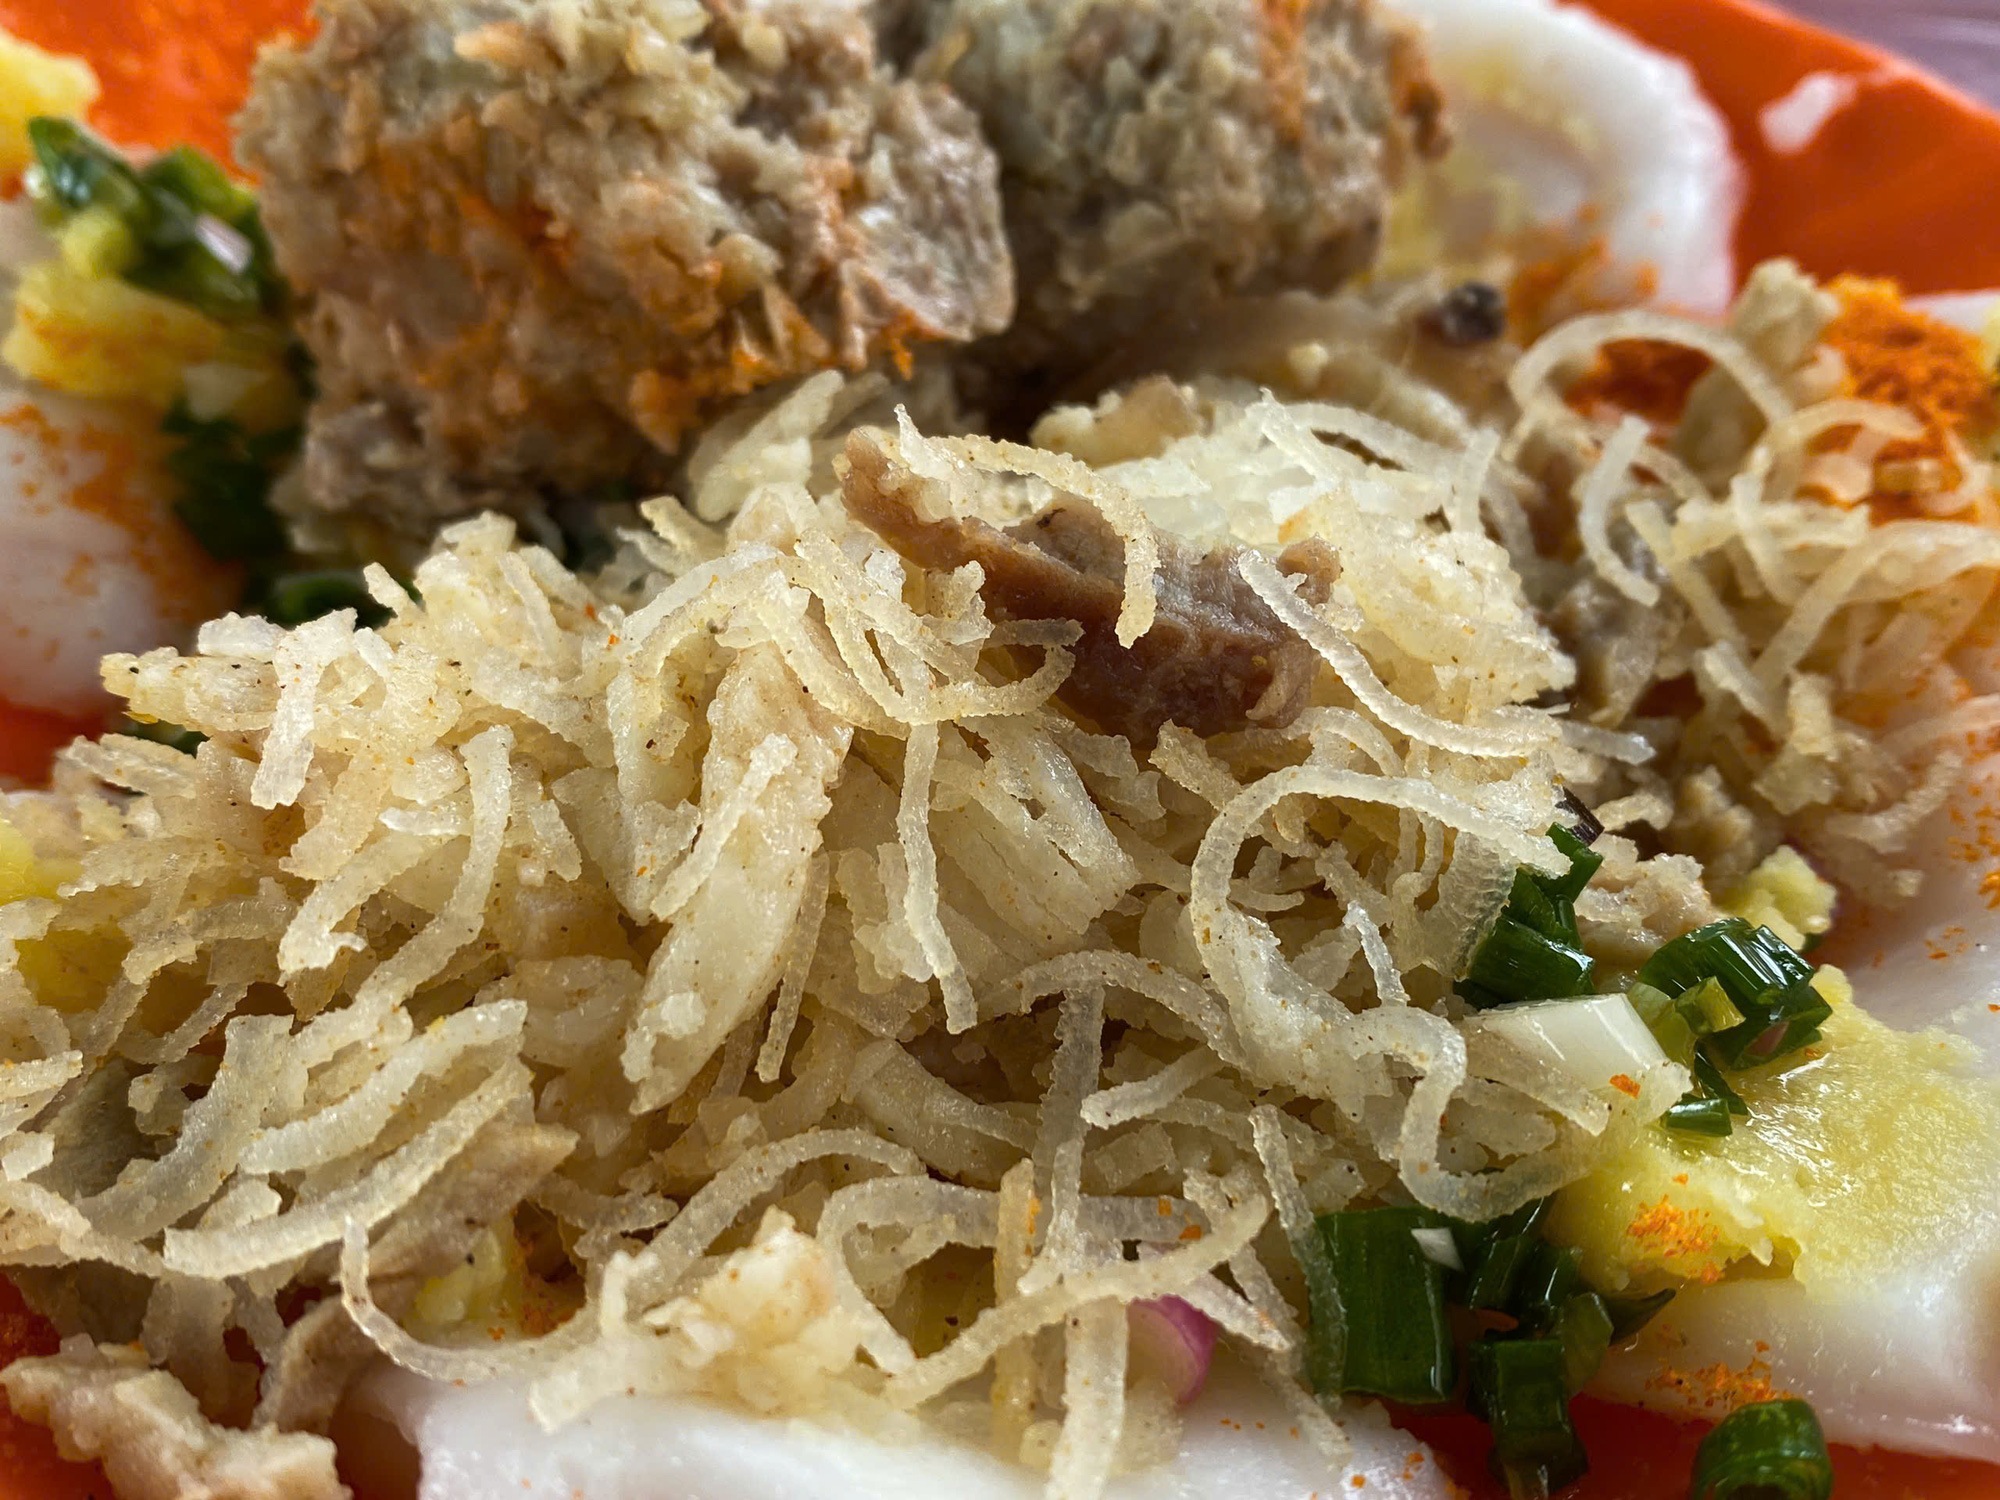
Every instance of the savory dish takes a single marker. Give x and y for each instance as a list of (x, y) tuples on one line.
[(906, 743)]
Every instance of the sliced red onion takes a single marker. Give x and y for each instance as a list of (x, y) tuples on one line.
[(1771, 1040), (225, 242), (1172, 1341)]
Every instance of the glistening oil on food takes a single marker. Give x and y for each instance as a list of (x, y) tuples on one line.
[(1019, 746)]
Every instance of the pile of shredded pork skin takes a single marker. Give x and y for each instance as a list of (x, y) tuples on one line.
[(817, 1014)]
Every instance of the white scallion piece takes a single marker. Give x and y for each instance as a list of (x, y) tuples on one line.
[(1439, 1247), (225, 242), (1599, 1040)]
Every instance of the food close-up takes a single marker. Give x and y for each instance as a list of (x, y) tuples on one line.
[(1108, 749)]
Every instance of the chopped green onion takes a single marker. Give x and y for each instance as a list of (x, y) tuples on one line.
[(193, 275), (1584, 1329), (1326, 1342), (294, 598), (1583, 864), (196, 180), (1499, 1256), (173, 736), (1518, 963), (199, 236), (97, 243), (1710, 1001), (1533, 951), (1747, 960), (1775, 1024), (1773, 1450), (1630, 1314), (1699, 1114), (589, 524), (1651, 1003), (77, 171), (1518, 1387), (1553, 1275), (1674, 1026), (225, 475), (1710, 1107), (1768, 986), (1397, 1340), (1710, 1083), (1530, 904), (1496, 1278)]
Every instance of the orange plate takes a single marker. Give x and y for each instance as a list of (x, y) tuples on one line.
[(1898, 184), (1895, 185)]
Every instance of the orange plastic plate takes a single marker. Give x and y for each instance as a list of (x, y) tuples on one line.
[(1896, 184)]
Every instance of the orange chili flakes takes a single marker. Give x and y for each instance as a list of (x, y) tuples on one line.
[(1899, 356), (123, 492), (1666, 1231), (1534, 296), (1625, 1084), (1283, 50), (1569, 271), (1645, 377), (1720, 1388)]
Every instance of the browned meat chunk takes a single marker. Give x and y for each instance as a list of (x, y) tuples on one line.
[(1216, 658), (1159, 155), (539, 242)]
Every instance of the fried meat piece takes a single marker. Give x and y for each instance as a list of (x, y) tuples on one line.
[(1216, 659), (1160, 155), (538, 242)]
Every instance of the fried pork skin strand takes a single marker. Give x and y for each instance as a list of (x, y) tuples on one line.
[(1159, 155), (1216, 658), (537, 243)]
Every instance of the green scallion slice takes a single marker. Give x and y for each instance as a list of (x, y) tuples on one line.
[(1725, 950), (1496, 1279), (1584, 1329), (1630, 1314), (1530, 904), (1584, 863), (1326, 1336), (1710, 1084), (1553, 1275), (1533, 951), (76, 171), (225, 476), (1397, 1340), (294, 598), (1664, 1018), (173, 736), (196, 180), (1775, 1024), (1518, 1386), (1773, 1450), (1495, 1254), (1708, 1008), (1516, 962), (1699, 1114), (179, 208)]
